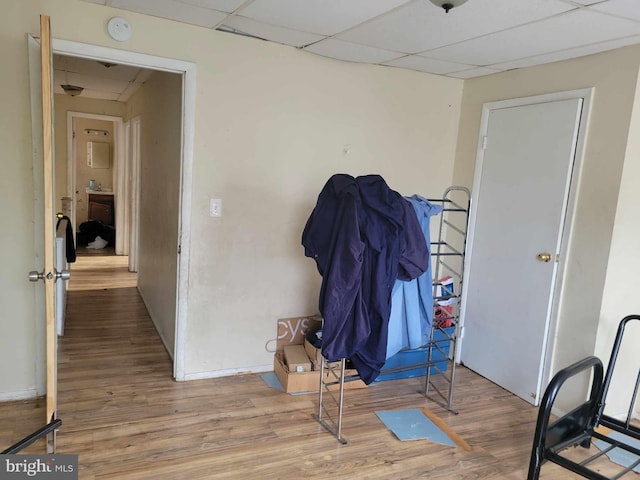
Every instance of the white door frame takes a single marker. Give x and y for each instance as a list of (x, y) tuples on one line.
[(135, 125), (568, 215), (188, 72), (119, 167)]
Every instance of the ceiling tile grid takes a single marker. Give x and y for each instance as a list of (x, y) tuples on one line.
[(174, 10), (324, 17), (109, 82), (352, 52), (429, 65), (479, 37), (287, 36), (421, 26), (569, 30)]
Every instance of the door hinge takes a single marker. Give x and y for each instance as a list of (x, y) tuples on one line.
[(557, 258), (73, 134), (179, 249), (485, 139)]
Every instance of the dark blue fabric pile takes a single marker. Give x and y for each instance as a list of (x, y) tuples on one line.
[(363, 236)]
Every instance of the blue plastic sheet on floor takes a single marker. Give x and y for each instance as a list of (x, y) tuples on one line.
[(617, 455), (272, 380), (412, 424)]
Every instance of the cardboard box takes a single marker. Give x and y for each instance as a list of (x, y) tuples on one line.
[(298, 382), (314, 354), (291, 331), (296, 358)]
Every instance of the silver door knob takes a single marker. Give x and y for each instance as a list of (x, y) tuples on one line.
[(544, 257), (64, 274), (34, 276)]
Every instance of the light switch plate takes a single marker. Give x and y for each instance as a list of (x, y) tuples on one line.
[(215, 207)]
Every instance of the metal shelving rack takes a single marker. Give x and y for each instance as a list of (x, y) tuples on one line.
[(447, 258)]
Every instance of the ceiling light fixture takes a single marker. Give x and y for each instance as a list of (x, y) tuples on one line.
[(72, 90), (107, 64), (448, 4)]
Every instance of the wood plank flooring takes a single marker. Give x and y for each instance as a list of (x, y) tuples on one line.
[(96, 271), (127, 419)]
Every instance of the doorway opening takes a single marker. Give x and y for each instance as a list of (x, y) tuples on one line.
[(92, 193), (158, 249)]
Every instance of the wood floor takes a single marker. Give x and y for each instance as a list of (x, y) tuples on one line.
[(127, 419)]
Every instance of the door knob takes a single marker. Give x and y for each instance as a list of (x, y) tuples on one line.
[(544, 257), (34, 276), (64, 274)]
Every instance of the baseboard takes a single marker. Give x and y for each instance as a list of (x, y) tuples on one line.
[(151, 315), (22, 395), (229, 372)]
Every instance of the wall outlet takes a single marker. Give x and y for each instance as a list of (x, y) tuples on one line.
[(215, 207)]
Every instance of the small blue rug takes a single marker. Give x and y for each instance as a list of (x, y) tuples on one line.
[(412, 424), (618, 455)]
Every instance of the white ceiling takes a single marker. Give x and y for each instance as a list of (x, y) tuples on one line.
[(477, 38), (116, 82)]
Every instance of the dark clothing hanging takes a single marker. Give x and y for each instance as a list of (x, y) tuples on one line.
[(69, 245), (363, 236)]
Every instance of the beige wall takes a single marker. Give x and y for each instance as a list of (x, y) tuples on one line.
[(620, 296), (159, 105), (271, 126), (614, 76)]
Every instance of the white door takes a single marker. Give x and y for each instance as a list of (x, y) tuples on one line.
[(520, 205)]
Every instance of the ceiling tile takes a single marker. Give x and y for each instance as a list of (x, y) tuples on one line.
[(623, 8), (473, 72), (422, 26), (271, 32), (99, 2), (569, 53), (125, 95), (324, 17), (429, 65), (173, 10), (99, 94), (96, 83), (220, 5), (570, 30), (142, 76), (92, 67), (351, 52), (586, 2), (59, 78)]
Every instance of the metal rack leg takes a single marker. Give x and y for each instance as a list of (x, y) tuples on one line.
[(333, 426)]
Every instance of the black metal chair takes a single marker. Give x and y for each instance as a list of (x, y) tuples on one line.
[(578, 427)]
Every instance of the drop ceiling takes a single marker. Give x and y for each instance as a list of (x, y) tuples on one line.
[(477, 38), (106, 82)]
